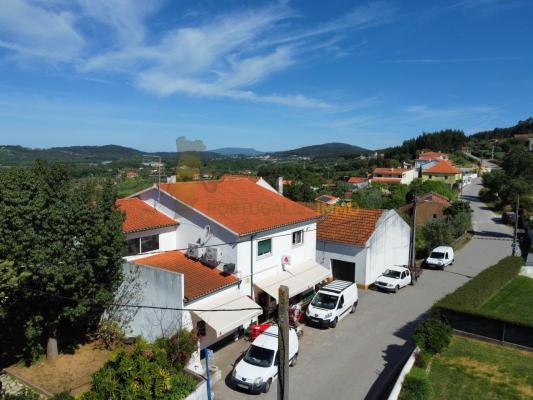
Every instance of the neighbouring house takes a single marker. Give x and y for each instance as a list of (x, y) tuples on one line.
[(132, 174), (394, 175), (429, 206), (443, 170), (358, 182), (327, 199), (358, 244), (426, 157), (234, 243)]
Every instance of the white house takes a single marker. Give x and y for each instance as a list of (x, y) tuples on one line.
[(233, 241), (394, 175), (359, 244)]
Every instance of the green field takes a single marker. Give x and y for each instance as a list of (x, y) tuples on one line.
[(472, 369), (513, 299)]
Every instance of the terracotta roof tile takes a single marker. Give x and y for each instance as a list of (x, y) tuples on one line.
[(240, 205), (348, 225), (140, 216), (389, 171), (251, 178), (442, 167), (357, 179), (432, 155), (387, 180), (199, 279)]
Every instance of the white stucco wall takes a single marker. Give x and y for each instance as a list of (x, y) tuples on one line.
[(159, 288), (388, 245)]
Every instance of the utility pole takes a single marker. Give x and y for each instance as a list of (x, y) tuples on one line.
[(412, 250), (283, 343), (515, 235)]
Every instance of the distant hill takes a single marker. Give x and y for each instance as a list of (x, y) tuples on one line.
[(525, 126), (18, 155), (237, 151), (325, 150)]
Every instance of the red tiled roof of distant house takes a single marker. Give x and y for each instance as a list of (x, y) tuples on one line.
[(442, 167), (390, 171), (386, 180), (357, 179), (200, 279), (348, 225), (239, 204), (429, 197), (327, 199), (140, 216), (432, 155), (288, 182)]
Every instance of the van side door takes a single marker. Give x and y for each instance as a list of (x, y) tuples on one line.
[(341, 306)]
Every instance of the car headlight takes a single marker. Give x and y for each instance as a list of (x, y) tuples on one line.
[(328, 315), (258, 381)]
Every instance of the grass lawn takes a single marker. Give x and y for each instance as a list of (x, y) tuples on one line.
[(513, 300), (472, 369)]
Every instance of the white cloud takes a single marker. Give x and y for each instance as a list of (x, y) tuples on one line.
[(226, 56), (419, 112)]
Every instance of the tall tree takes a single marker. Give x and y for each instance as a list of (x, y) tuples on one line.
[(64, 244)]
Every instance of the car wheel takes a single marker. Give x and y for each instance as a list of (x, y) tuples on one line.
[(267, 386), (294, 360), (334, 322), (354, 306), (396, 288)]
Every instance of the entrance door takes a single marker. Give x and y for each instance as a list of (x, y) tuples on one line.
[(343, 270)]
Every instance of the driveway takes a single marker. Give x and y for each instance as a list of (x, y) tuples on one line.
[(356, 359)]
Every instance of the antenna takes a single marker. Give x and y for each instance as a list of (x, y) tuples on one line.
[(149, 159)]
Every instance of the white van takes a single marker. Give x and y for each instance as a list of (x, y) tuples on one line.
[(332, 303), (441, 257), (259, 366)]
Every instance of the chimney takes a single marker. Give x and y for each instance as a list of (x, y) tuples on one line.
[(280, 185)]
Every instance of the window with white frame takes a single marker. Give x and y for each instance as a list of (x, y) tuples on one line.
[(141, 245), (297, 237), (264, 247)]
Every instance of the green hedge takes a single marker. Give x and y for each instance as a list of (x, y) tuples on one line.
[(479, 289), (416, 385)]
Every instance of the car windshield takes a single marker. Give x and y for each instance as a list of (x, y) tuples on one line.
[(390, 273), (259, 356), (323, 300), (436, 254)]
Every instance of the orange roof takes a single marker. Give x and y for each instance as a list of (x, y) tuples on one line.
[(428, 197), (240, 205), (326, 198), (387, 180), (442, 167), (140, 216), (348, 225), (228, 177), (199, 278), (357, 179), (432, 155), (394, 171)]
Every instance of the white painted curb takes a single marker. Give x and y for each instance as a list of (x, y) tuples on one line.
[(405, 370)]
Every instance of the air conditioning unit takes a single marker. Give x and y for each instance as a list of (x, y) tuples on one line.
[(229, 268), (213, 256), (195, 251)]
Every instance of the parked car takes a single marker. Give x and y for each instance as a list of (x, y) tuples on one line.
[(393, 279), (332, 303), (259, 366), (441, 257)]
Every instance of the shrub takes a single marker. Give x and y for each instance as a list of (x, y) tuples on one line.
[(475, 292), (179, 347), (63, 396), (422, 359), (144, 373), (109, 333), (24, 394), (416, 386), (432, 336)]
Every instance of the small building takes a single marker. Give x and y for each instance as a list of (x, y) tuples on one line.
[(327, 199), (443, 171), (427, 156), (358, 244), (429, 206), (358, 182), (132, 174), (394, 176)]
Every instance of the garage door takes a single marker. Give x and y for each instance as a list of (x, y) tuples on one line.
[(343, 270)]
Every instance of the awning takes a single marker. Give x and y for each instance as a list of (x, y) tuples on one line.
[(223, 322), (298, 279)]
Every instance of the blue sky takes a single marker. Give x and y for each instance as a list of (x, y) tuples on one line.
[(269, 75)]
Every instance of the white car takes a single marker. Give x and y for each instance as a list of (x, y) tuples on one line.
[(393, 279), (259, 366), (332, 303), (441, 257)]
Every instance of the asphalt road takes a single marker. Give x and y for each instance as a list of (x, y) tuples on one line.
[(356, 359)]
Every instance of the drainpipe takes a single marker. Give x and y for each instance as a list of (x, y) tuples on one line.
[(252, 267)]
